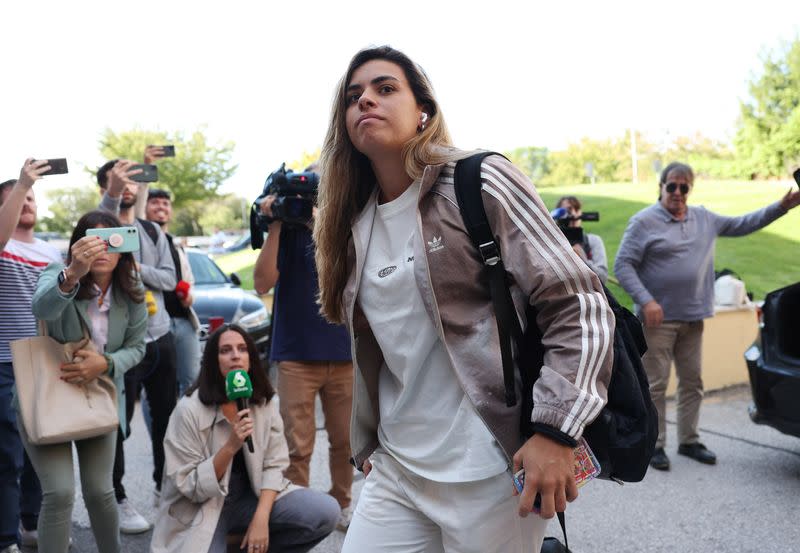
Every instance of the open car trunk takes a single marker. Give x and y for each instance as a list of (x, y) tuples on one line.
[(774, 364)]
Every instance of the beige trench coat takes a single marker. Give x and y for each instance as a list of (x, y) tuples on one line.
[(191, 496)]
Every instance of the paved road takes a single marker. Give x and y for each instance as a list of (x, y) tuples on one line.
[(747, 503)]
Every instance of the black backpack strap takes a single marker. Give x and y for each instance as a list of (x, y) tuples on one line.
[(150, 228), (467, 181), (468, 193)]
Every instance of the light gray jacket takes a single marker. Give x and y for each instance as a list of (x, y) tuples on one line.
[(192, 498), (543, 270)]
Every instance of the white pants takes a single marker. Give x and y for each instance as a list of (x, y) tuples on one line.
[(401, 512)]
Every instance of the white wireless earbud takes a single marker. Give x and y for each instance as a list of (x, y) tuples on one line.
[(423, 118)]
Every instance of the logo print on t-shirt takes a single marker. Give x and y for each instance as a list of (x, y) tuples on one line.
[(386, 271)]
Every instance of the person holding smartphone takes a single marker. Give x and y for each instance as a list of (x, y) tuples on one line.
[(100, 292), (430, 425), (157, 371), (666, 263), (23, 257)]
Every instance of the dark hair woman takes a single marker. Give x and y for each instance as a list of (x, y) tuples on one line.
[(100, 292), (428, 401), (212, 486)]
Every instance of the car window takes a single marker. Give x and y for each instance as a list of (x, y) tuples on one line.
[(205, 270)]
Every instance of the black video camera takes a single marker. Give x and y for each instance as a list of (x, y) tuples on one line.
[(562, 217), (296, 194)]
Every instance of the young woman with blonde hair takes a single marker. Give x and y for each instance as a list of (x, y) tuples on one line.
[(430, 426)]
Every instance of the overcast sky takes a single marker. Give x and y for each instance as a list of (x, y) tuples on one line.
[(262, 74)]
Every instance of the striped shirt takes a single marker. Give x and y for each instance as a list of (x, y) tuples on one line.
[(21, 263)]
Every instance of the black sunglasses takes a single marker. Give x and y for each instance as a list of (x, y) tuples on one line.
[(672, 186)]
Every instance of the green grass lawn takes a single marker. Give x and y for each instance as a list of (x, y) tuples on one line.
[(766, 260), (241, 263)]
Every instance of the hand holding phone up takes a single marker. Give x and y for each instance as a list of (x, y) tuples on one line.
[(154, 153), (120, 175), (32, 170), (792, 197)]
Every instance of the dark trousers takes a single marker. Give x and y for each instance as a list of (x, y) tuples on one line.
[(20, 492), (156, 373)]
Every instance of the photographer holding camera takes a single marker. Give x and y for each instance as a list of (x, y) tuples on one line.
[(589, 247), (313, 355)]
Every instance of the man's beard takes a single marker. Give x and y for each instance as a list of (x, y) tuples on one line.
[(26, 226), (126, 205)]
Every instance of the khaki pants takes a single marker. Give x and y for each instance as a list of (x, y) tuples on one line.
[(298, 385), (680, 342)]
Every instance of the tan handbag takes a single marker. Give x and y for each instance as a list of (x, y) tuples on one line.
[(52, 410)]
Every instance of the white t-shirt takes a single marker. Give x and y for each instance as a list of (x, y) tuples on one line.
[(427, 422), (21, 263)]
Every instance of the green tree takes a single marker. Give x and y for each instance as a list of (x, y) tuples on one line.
[(195, 219), (708, 157), (768, 138), (195, 173), (67, 205), (531, 160), (305, 159)]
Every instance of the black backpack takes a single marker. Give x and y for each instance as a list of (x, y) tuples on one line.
[(623, 436)]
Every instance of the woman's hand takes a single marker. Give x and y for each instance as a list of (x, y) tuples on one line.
[(241, 430), (366, 467), (86, 365), (256, 540), (549, 472), (83, 253)]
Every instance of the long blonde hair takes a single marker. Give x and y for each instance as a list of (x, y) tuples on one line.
[(347, 178)]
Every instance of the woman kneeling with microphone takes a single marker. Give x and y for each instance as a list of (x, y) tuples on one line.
[(212, 485)]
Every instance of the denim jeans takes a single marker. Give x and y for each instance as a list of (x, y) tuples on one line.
[(20, 492)]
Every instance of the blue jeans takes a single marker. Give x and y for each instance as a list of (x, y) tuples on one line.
[(20, 492), (187, 350)]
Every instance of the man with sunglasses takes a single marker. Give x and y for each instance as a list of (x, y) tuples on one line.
[(666, 263)]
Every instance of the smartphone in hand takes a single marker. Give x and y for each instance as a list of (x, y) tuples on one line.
[(149, 173), (585, 465), (119, 239), (58, 166), (166, 151)]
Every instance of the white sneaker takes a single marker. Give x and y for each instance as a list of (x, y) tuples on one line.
[(28, 538), (130, 521), (344, 518), (13, 548)]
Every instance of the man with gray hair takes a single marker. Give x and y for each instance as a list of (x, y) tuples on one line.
[(666, 263)]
